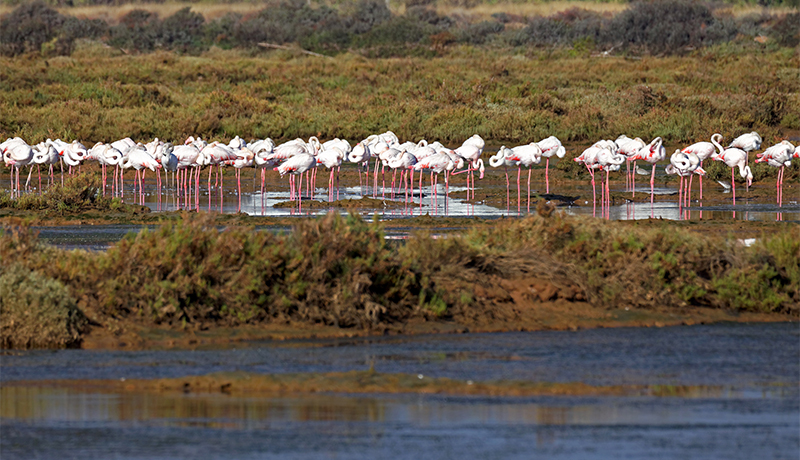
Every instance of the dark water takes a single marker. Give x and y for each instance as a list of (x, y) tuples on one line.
[(745, 401)]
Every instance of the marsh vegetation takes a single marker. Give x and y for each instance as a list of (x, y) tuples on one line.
[(342, 272)]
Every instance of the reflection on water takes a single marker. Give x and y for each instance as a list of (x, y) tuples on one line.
[(71, 404), (752, 205), (724, 392), (69, 423)]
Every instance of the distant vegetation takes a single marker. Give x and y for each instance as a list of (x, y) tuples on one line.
[(99, 94), (370, 28)]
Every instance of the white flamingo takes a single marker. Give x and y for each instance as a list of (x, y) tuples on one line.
[(684, 165), (652, 153), (779, 156), (630, 147), (550, 146), (704, 150), (296, 166), (734, 157)]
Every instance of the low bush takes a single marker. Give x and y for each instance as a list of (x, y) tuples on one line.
[(37, 311)]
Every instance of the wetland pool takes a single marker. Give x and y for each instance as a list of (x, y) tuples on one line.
[(735, 386)]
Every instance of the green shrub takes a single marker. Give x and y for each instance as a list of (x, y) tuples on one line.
[(37, 311)]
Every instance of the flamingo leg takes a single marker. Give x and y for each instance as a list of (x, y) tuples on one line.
[(652, 188), (594, 193), (519, 192), (508, 191), (547, 176), (529, 191), (239, 188)]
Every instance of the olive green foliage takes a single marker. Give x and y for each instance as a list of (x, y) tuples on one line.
[(510, 99), (80, 192), (649, 27), (620, 264), (334, 270), (37, 311), (341, 271)]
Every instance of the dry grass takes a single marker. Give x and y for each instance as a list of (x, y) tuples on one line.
[(112, 14), (485, 11)]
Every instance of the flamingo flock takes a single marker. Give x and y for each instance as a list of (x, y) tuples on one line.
[(300, 159)]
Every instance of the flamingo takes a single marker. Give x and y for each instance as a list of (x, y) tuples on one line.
[(16, 154), (139, 159), (501, 159), (734, 157), (610, 160), (405, 161), (331, 157), (550, 146), (471, 151), (262, 150), (779, 156), (45, 154), (590, 158), (747, 142), (215, 153), (704, 150), (436, 164), (524, 155), (684, 165), (361, 155), (652, 153), (297, 165), (630, 147)]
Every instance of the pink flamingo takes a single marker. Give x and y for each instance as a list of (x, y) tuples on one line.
[(630, 147), (704, 151), (684, 165), (471, 151), (734, 157), (652, 153), (550, 146), (297, 165), (779, 156), (436, 164), (528, 156)]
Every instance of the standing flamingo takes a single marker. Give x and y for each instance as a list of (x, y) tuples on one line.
[(405, 163), (436, 164), (704, 151), (527, 156), (734, 157), (652, 153), (16, 154), (630, 147), (501, 159), (139, 159), (684, 165), (297, 165), (471, 151), (778, 156), (550, 146), (45, 154), (590, 158)]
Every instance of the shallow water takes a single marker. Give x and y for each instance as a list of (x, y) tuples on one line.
[(750, 205), (745, 402)]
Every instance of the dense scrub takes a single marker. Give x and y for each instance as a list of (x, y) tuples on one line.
[(100, 95), (37, 311), (341, 271), (81, 192), (655, 27)]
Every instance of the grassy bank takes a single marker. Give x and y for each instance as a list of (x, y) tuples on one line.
[(518, 96), (340, 272)]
